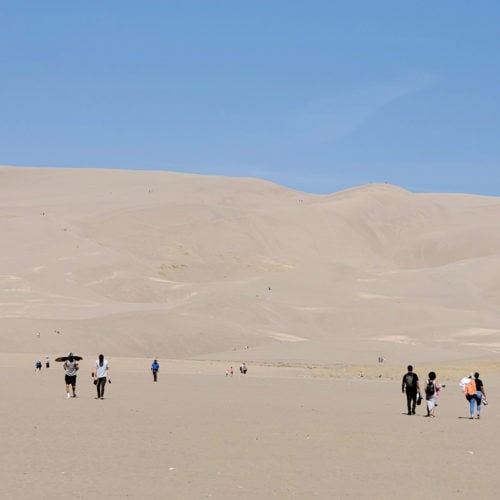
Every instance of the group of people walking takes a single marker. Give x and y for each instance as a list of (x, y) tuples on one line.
[(38, 364), (473, 389), (243, 370), (100, 375)]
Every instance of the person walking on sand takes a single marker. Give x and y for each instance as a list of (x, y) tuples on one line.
[(470, 394), (70, 367), (480, 394), (155, 368), (38, 366), (432, 391), (410, 385), (474, 392), (101, 374), (47, 362)]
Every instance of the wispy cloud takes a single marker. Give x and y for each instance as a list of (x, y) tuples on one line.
[(328, 119)]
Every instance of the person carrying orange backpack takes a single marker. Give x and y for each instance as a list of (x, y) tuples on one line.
[(470, 395), (479, 396)]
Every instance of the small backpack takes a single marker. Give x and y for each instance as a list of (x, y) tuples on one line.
[(409, 380), (470, 388), (430, 389)]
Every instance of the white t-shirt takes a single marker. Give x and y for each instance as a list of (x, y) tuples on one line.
[(71, 367), (101, 371)]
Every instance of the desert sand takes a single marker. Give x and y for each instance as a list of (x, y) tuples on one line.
[(205, 272)]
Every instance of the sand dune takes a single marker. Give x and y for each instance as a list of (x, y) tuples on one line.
[(204, 272), (168, 256)]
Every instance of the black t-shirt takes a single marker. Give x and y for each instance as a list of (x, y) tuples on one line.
[(479, 384), (410, 380)]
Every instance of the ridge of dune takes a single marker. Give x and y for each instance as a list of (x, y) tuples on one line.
[(189, 265)]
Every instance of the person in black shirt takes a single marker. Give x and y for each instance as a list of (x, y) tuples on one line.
[(411, 386), (479, 394)]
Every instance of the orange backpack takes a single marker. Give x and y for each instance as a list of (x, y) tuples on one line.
[(470, 388)]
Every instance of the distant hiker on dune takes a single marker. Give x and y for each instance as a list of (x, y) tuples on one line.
[(155, 367)]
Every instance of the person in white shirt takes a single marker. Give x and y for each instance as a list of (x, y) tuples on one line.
[(101, 374)]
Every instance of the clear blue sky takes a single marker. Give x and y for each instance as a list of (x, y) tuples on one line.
[(313, 95)]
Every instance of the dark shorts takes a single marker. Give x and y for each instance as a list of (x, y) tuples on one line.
[(70, 379)]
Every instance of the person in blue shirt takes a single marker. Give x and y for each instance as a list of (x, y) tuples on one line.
[(154, 368)]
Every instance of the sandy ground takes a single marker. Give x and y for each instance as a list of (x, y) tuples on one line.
[(279, 432), (206, 272)]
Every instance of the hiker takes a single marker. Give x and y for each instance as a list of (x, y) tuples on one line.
[(101, 374), (474, 393), (411, 386), (154, 368), (243, 369), (47, 362), (432, 391), (38, 366), (480, 394), (70, 367)]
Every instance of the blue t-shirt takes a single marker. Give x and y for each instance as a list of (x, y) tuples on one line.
[(155, 367)]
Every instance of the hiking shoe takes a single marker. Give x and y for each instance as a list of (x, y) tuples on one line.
[(413, 412), (68, 395), (479, 416)]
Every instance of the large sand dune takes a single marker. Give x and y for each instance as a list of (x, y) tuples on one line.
[(203, 272), (180, 265)]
